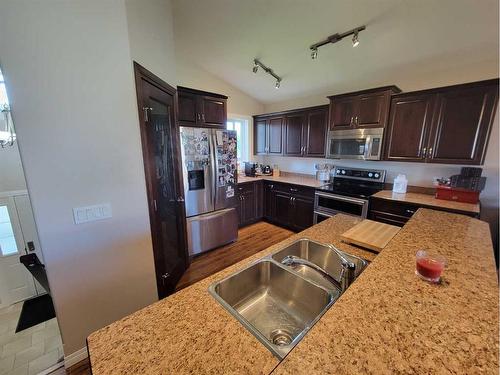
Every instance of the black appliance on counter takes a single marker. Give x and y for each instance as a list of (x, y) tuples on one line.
[(250, 169), (348, 193)]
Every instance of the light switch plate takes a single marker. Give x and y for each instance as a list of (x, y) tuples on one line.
[(92, 213)]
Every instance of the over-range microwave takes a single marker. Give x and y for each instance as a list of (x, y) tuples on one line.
[(364, 144)]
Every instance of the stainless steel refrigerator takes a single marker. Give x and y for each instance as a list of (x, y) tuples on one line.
[(209, 177)]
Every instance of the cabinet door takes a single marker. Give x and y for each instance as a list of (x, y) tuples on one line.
[(249, 206), (462, 124), (275, 136), (213, 111), (282, 208), (342, 112), (372, 110), (292, 144), (409, 124), (269, 201), (303, 212), (188, 108), (260, 137), (315, 132)]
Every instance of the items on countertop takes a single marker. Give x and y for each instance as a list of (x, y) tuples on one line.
[(276, 170), (400, 184), (254, 169), (429, 266), (323, 171), (463, 187)]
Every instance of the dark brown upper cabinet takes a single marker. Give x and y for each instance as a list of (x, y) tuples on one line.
[(361, 109), (409, 125), (268, 135), (300, 132), (201, 108), (448, 125)]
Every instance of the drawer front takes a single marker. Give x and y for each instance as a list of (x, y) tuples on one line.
[(303, 191), (393, 207), (246, 188), (386, 218)]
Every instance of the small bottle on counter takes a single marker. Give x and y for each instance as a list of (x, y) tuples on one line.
[(400, 184), (276, 170)]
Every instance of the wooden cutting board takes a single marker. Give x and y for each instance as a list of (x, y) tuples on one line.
[(370, 234)]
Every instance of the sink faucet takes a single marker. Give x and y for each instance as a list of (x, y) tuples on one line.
[(346, 275)]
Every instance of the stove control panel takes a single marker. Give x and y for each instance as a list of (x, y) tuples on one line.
[(360, 174)]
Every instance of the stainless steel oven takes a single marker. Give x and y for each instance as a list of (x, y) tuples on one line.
[(328, 204), (364, 144)]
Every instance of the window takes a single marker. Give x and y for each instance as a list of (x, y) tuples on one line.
[(8, 244), (242, 138)]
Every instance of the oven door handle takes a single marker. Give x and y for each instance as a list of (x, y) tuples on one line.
[(368, 147), (360, 202)]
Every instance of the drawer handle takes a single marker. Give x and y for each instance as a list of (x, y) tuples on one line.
[(408, 211), (293, 190)]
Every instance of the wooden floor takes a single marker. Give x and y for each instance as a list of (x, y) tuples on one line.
[(251, 240)]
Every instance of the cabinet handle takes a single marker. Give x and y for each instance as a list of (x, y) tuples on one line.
[(356, 120), (424, 152), (203, 117), (293, 190), (352, 119), (430, 152), (408, 211)]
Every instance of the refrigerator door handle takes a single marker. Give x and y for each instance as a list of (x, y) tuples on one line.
[(215, 163)]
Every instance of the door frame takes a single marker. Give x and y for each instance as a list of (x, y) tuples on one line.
[(140, 74)]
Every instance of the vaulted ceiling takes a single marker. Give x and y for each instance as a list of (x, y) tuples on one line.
[(401, 37)]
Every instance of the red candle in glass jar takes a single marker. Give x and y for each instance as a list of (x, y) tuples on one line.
[(429, 267)]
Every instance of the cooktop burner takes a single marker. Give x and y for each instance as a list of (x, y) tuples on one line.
[(354, 182)]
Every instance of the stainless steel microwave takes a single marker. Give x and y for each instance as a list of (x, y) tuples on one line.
[(364, 144)]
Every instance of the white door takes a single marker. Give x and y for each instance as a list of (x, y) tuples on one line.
[(16, 283)]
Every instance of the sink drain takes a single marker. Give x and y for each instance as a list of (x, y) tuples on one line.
[(281, 337)]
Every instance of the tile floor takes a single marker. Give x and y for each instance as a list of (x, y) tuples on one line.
[(31, 350)]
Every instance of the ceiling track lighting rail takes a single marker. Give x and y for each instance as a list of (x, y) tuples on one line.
[(257, 64), (335, 38)]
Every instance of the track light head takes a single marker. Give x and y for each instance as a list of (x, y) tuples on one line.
[(355, 39), (277, 85), (255, 68), (314, 53)]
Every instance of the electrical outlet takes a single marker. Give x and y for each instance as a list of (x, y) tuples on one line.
[(92, 213)]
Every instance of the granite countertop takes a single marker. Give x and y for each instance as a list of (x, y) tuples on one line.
[(388, 321), (189, 332), (428, 200), (287, 178)]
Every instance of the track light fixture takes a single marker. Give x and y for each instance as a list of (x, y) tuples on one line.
[(335, 38), (257, 64)]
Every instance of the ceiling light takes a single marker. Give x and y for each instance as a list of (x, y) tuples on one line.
[(314, 53), (335, 38), (268, 70), (355, 40)]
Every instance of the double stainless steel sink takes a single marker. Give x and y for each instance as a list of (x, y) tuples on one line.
[(279, 297)]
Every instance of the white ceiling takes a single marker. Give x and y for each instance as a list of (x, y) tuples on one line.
[(410, 37)]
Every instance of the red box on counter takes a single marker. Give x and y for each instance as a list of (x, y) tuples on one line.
[(456, 194)]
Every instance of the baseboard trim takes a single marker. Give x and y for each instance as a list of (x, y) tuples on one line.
[(75, 357)]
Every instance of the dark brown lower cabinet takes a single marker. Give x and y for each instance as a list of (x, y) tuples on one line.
[(286, 205), (249, 202), (398, 213), (290, 206)]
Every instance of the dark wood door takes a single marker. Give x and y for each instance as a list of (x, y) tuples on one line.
[(260, 137), (269, 200), (372, 110), (249, 206), (343, 112), (275, 136), (409, 125), (292, 144), (315, 132), (282, 207), (303, 211), (213, 111), (159, 136), (188, 108), (462, 124)]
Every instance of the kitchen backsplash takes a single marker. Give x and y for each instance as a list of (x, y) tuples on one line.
[(418, 174)]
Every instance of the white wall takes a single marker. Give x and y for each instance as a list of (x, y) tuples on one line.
[(151, 36), (70, 80), (11, 169)]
